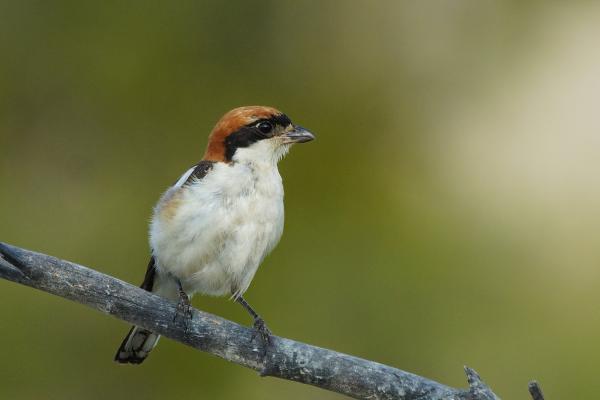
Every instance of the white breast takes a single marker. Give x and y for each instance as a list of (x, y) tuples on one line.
[(214, 233)]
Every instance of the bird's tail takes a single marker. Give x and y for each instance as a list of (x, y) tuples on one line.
[(139, 341), (136, 346)]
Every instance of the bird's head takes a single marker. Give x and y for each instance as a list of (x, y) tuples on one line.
[(255, 134)]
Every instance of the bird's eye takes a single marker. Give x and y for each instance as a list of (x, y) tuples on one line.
[(265, 127)]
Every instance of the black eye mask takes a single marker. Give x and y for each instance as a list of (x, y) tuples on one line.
[(252, 133)]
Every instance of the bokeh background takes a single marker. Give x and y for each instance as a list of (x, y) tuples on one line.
[(448, 213)]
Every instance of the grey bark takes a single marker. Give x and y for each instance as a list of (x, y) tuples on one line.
[(535, 390), (287, 359)]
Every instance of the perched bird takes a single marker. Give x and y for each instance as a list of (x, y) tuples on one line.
[(211, 230)]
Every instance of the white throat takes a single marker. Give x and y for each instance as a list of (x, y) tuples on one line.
[(263, 152)]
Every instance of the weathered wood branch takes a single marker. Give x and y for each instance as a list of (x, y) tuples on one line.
[(535, 390), (288, 359)]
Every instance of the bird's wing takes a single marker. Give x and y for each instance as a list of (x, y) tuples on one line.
[(150, 273), (197, 172)]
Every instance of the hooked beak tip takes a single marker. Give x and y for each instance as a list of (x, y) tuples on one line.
[(299, 135)]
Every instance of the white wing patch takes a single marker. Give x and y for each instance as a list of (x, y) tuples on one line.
[(184, 178)]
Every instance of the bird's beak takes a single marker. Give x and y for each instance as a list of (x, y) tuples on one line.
[(298, 135)]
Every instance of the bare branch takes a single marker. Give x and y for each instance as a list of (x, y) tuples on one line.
[(292, 360)]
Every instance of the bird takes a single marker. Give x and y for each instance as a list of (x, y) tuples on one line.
[(211, 230)]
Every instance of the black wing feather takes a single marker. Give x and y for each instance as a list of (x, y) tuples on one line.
[(148, 283), (200, 171)]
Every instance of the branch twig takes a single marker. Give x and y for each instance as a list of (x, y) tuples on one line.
[(292, 360), (535, 390)]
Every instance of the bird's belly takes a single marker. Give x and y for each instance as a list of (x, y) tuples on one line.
[(216, 247), (230, 270)]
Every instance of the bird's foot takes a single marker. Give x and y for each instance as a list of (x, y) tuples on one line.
[(184, 310), (261, 331), (265, 336)]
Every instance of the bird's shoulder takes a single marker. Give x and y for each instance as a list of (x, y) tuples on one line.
[(195, 173), (171, 201)]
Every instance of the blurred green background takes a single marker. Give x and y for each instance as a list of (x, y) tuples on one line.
[(447, 214)]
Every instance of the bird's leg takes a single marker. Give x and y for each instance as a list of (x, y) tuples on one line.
[(260, 329), (184, 307)]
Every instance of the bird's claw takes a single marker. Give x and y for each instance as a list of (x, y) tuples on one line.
[(265, 335), (261, 330), (183, 311)]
